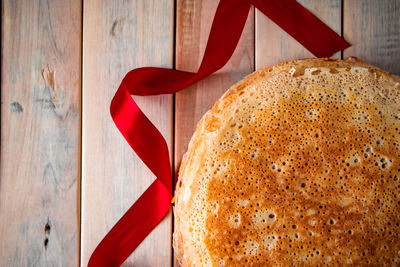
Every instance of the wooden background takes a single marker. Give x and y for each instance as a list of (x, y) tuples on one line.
[(67, 174)]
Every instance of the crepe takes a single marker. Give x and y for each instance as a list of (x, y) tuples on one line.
[(297, 164)]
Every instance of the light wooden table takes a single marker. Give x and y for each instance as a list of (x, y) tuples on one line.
[(67, 174)]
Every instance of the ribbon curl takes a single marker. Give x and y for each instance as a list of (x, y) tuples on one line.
[(147, 141)]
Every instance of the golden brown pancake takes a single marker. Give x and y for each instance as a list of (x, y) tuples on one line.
[(297, 164)]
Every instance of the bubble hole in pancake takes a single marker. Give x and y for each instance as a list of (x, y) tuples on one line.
[(297, 164)]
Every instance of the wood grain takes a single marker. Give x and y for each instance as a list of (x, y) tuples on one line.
[(373, 29), (274, 45), (194, 20), (41, 108), (117, 37), (40, 137)]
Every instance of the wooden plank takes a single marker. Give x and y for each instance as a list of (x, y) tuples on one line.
[(40, 135), (194, 20), (274, 45), (117, 37), (373, 29)]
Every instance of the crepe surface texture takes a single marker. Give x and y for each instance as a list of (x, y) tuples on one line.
[(297, 164)]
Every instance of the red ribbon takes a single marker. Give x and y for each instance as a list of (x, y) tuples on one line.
[(147, 141)]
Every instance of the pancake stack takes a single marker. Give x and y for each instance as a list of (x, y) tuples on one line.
[(297, 164)]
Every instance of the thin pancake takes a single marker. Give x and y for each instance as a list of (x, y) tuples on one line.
[(296, 164)]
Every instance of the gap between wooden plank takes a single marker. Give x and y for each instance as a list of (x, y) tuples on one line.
[(341, 24), (174, 175), (80, 144)]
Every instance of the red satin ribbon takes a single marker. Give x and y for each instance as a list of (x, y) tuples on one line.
[(146, 140)]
